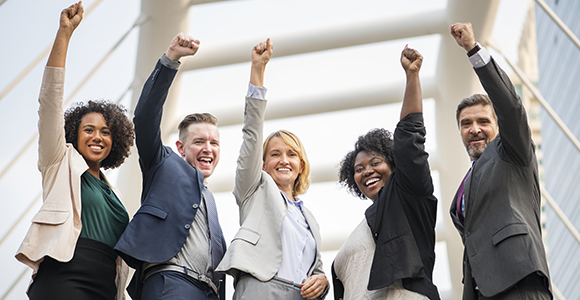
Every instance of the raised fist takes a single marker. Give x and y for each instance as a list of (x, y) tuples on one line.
[(411, 60), (182, 45), (463, 34), (262, 52), (71, 17)]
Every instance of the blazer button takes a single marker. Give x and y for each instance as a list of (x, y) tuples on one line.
[(187, 226), (195, 206)]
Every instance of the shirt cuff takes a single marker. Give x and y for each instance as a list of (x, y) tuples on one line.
[(166, 61), (481, 58), (256, 92)]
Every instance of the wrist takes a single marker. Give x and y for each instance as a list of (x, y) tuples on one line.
[(412, 74), (472, 48), (258, 66), (64, 33), (172, 55)]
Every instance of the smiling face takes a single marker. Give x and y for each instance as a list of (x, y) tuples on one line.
[(201, 147), (371, 172), (282, 163), (478, 127), (94, 141)]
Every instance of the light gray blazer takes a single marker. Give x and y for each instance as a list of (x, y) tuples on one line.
[(257, 247)]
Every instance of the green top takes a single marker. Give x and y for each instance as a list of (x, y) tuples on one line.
[(103, 216)]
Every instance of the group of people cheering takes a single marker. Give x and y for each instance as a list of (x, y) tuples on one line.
[(82, 242)]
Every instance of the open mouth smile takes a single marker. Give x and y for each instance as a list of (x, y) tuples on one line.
[(371, 181)]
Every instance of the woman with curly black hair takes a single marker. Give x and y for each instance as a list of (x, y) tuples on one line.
[(70, 243), (391, 255)]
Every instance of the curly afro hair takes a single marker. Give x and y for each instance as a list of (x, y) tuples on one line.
[(121, 128), (377, 140)]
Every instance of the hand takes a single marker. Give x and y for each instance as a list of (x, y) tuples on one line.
[(70, 18), (463, 34), (411, 60), (182, 45), (261, 53), (313, 286)]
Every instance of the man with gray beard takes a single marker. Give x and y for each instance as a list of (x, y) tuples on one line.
[(497, 206)]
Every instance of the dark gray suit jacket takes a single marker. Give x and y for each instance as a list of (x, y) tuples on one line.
[(501, 233)]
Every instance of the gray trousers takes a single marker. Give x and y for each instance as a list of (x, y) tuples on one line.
[(250, 288)]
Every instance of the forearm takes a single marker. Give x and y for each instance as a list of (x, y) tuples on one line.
[(249, 165), (51, 140), (413, 98), (57, 57), (257, 74), (511, 115)]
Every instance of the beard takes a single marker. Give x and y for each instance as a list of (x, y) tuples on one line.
[(475, 152)]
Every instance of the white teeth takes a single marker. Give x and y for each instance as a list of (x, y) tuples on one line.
[(283, 169), (371, 181), (96, 147), (205, 159)]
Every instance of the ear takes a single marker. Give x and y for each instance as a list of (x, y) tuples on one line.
[(301, 167), (180, 147), (264, 166)]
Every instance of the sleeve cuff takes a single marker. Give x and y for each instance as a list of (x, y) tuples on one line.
[(169, 63), (480, 58), (256, 92)]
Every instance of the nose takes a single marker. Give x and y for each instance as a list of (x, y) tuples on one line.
[(283, 158), (97, 136), (368, 170), (475, 129), (206, 147)]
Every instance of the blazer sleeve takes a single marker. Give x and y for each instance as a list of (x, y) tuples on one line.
[(516, 142), (249, 165), (411, 164), (148, 115), (51, 134)]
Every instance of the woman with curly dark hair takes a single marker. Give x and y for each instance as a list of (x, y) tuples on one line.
[(70, 243), (391, 254)]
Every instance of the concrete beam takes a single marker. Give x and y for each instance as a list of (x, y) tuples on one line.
[(323, 38)]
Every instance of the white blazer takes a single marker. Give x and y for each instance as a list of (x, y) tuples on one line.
[(257, 247), (56, 227)]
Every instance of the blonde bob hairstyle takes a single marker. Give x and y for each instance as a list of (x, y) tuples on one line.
[(302, 182)]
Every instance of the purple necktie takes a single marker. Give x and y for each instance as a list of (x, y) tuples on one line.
[(460, 197), (215, 233)]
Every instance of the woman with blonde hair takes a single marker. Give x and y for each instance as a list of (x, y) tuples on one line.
[(276, 252)]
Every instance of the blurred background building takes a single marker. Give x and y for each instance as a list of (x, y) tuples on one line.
[(558, 80)]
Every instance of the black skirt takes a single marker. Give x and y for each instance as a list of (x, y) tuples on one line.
[(89, 275)]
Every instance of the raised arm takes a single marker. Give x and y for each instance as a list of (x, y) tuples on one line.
[(51, 135), (149, 110), (249, 168), (411, 61), (70, 18), (512, 121), (409, 146)]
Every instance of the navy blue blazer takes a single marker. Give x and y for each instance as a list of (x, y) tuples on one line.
[(171, 188)]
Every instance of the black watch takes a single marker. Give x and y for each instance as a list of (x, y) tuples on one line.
[(475, 49)]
